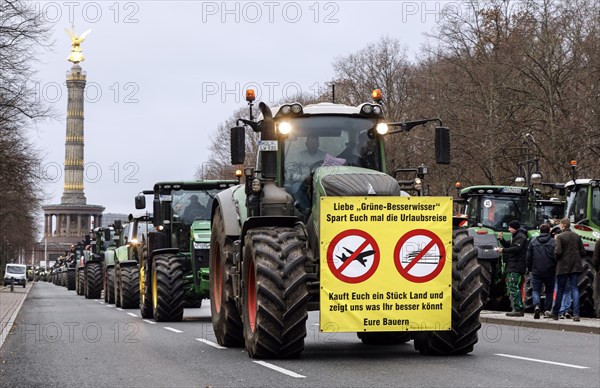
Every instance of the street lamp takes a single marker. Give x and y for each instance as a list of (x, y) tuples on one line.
[(529, 169)]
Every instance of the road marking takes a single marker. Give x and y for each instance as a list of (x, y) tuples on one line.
[(148, 321), (173, 330), (120, 309), (214, 345), (99, 301), (280, 369), (133, 315), (544, 361)]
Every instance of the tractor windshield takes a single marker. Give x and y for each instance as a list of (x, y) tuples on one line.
[(189, 205), (330, 141), (577, 204), (495, 212)]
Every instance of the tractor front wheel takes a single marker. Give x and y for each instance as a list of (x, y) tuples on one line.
[(93, 286), (167, 288), (145, 288), (275, 294), (226, 319), (130, 290)]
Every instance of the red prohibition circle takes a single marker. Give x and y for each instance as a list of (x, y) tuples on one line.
[(403, 271), (333, 244)]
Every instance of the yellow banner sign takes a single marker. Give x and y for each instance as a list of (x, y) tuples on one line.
[(386, 263)]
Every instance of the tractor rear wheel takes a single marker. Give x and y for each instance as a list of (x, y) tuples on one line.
[(145, 289), (130, 289), (275, 294), (109, 290), (94, 279), (466, 304), (226, 319), (167, 288)]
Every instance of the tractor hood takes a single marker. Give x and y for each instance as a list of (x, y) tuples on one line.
[(355, 182)]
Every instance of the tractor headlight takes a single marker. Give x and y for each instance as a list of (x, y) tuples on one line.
[(367, 109), (285, 128), (286, 109), (377, 110), (382, 128)]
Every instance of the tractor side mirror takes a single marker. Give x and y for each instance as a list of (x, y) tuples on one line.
[(238, 145), (140, 202), (106, 234), (118, 225), (442, 145)]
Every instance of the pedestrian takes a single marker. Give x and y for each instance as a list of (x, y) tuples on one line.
[(541, 265), (515, 253), (569, 253)]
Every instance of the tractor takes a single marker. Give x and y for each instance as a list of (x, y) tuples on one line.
[(266, 262), (173, 269), (583, 209), (90, 267), (123, 284), (486, 212)]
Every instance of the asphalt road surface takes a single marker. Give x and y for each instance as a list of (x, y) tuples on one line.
[(61, 339)]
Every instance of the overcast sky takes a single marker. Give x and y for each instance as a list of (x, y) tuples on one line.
[(163, 74)]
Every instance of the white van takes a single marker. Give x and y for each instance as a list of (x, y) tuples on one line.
[(18, 272)]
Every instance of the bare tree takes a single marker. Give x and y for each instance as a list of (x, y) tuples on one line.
[(22, 33)]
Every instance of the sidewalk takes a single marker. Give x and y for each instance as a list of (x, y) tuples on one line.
[(586, 325), (10, 303)]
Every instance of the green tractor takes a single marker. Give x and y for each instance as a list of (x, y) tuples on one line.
[(174, 267), (123, 284), (486, 212), (583, 209), (265, 261), (90, 279)]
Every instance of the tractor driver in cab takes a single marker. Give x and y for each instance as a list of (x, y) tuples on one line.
[(193, 210)]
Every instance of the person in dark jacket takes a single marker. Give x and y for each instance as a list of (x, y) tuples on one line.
[(542, 267), (569, 253), (515, 253)]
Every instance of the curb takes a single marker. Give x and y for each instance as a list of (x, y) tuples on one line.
[(586, 325), (6, 327)]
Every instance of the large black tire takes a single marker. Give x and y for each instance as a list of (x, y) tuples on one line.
[(466, 304), (226, 319), (130, 287), (167, 288), (63, 278), (80, 281), (93, 281), (71, 280), (586, 288), (145, 288), (384, 337), (117, 285), (275, 294), (109, 290)]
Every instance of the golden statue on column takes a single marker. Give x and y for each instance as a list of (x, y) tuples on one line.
[(76, 55)]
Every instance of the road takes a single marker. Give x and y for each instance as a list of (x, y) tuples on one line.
[(61, 339)]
